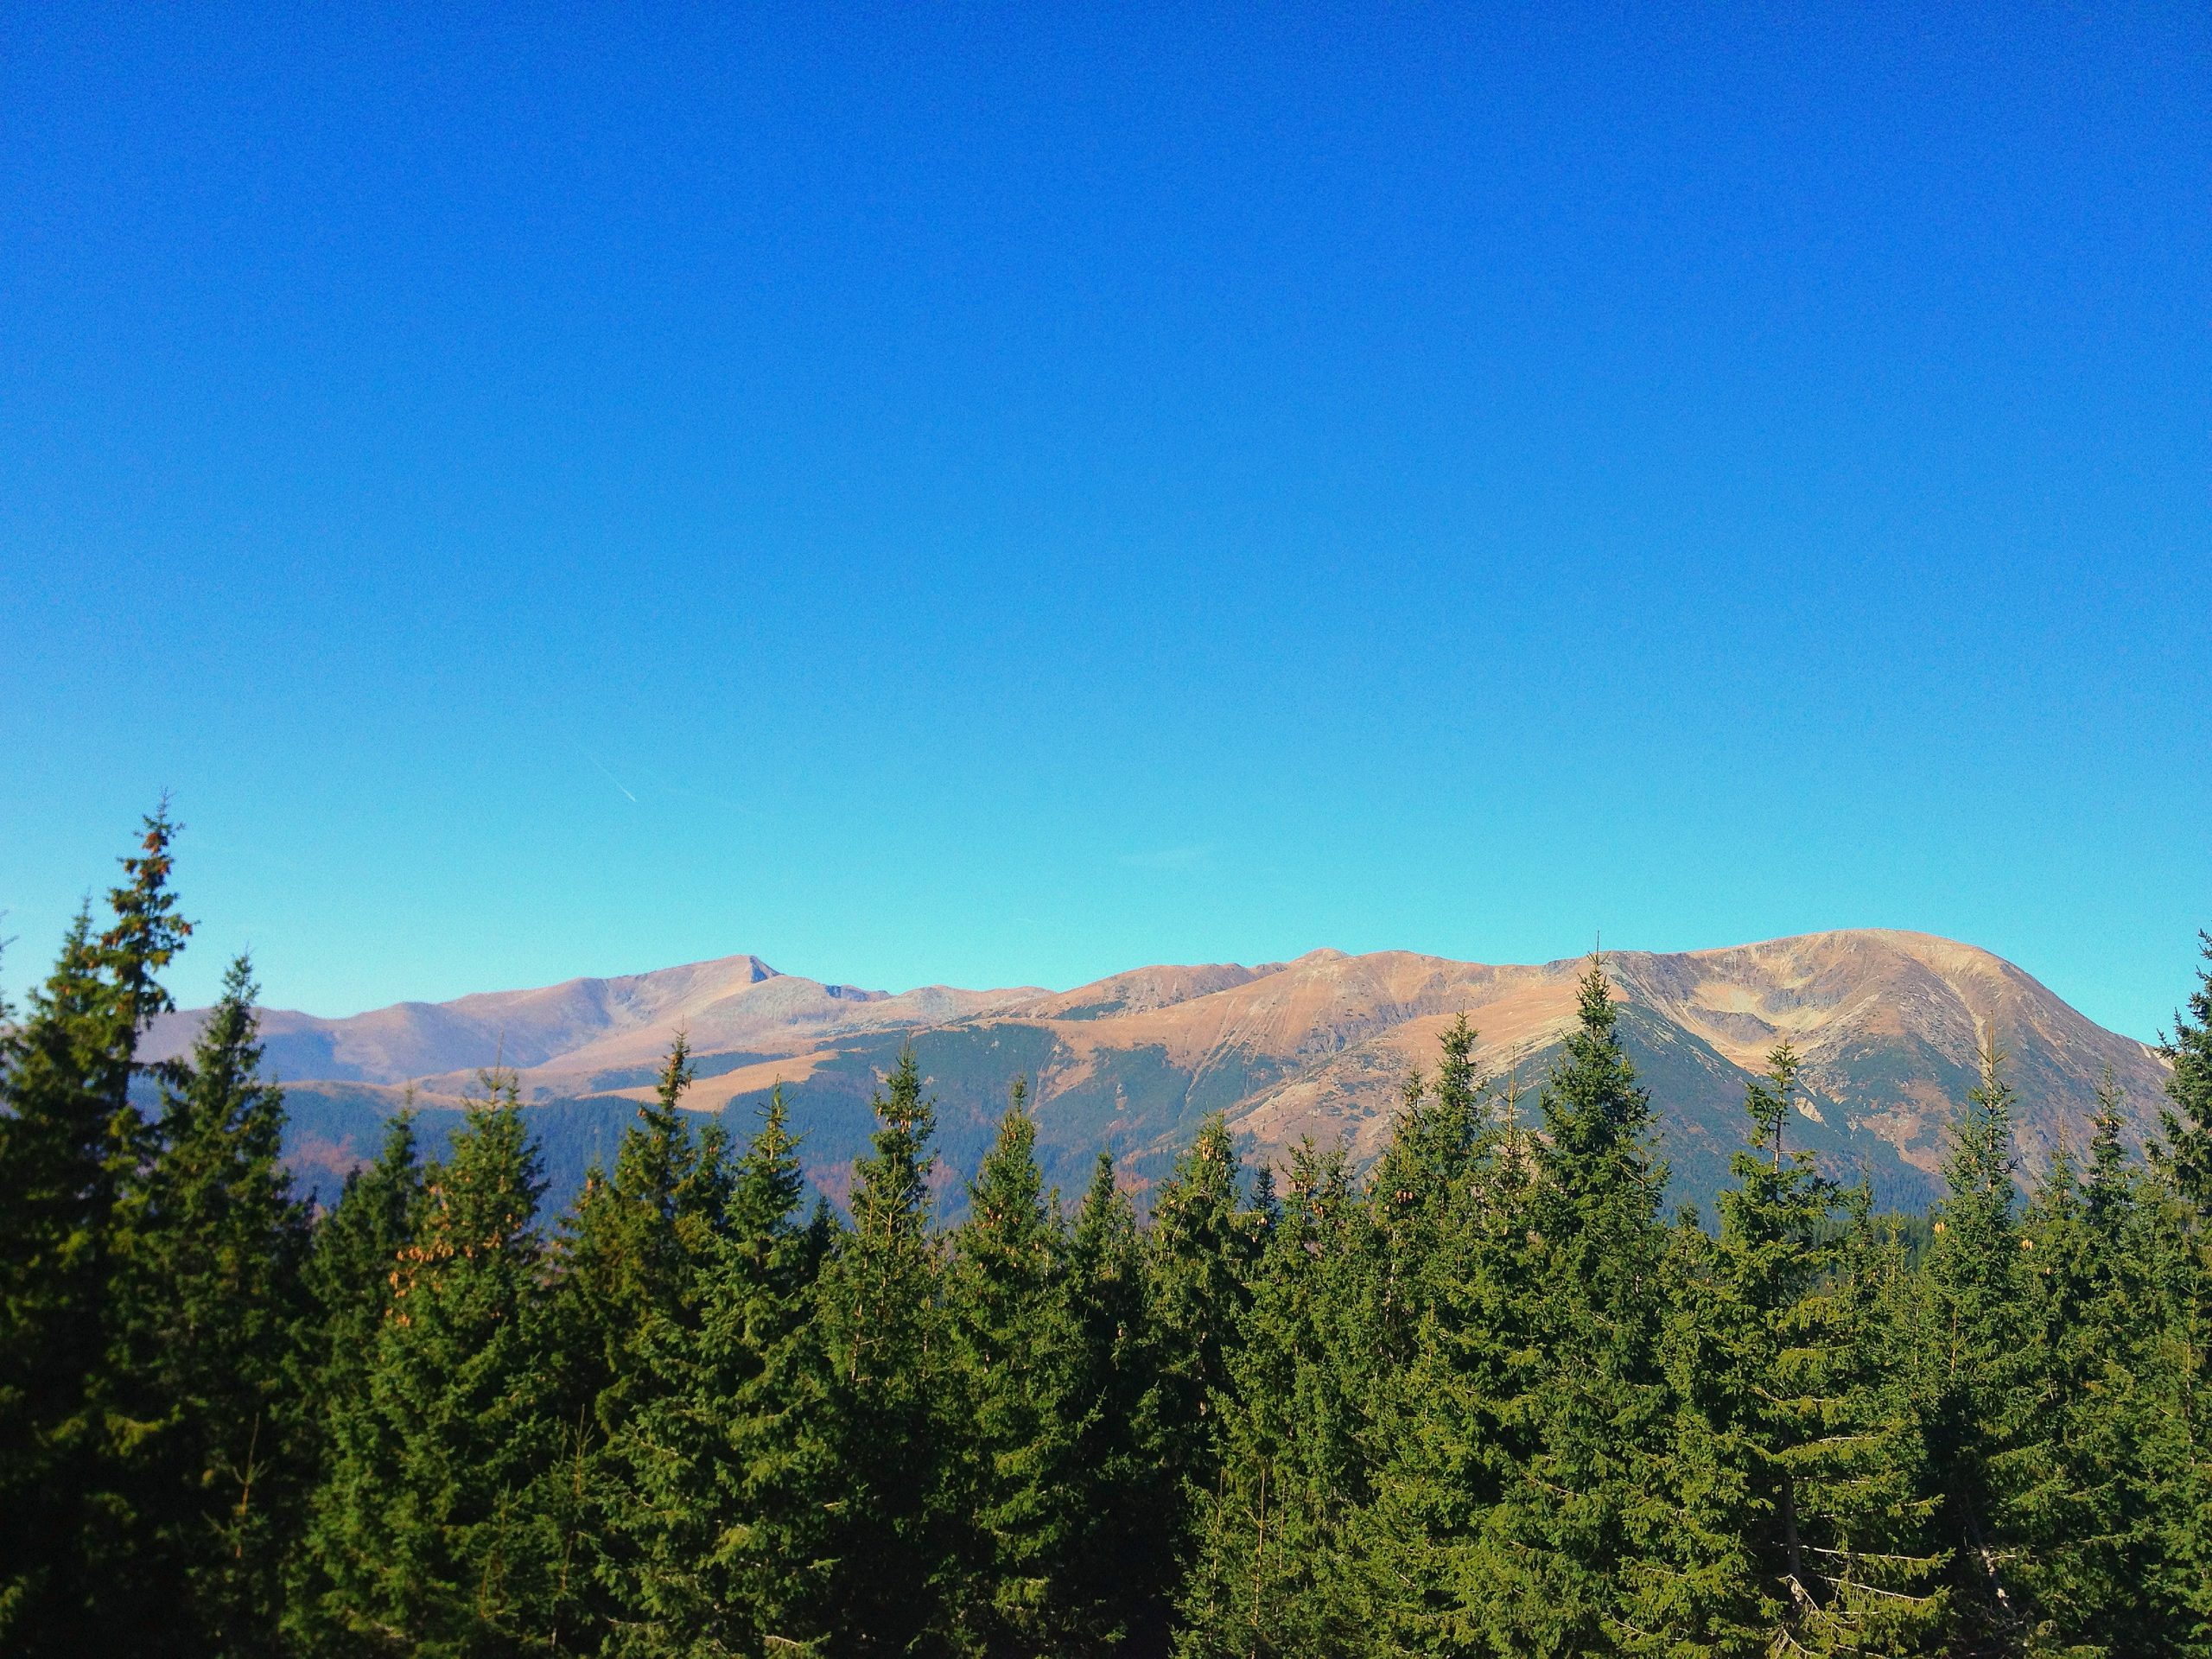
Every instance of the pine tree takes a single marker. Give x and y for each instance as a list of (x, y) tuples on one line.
[(353, 1263), (634, 1247), (1269, 1573), (210, 1299), (892, 1536), (1982, 1364), (352, 1269), (2186, 1119), (1200, 1257), (1448, 1306), (1203, 1245), (2095, 1566), (1011, 1345), (1582, 1515), (2174, 1420), (1121, 1568), (2179, 1217), (144, 938), (629, 1273), (1444, 1141), (70, 1138), (1738, 1421), (1817, 1455), (727, 1461), (437, 1527), (1874, 1491), (57, 1168)]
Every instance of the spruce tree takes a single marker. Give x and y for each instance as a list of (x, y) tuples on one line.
[(1591, 1502), (1982, 1364), (728, 1468), (1200, 1256), (1581, 1516), (2179, 1217), (71, 1140), (1784, 1358), (633, 1249), (351, 1270), (1011, 1346), (1876, 1489), (628, 1273), (892, 1537), (58, 1170), (1736, 1420), (353, 1262), (1121, 1568), (1445, 1140), (1454, 1300), (212, 1308), (2186, 1118), (1269, 1573), (1203, 1245), (2174, 1420), (438, 1525), (2095, 1568)]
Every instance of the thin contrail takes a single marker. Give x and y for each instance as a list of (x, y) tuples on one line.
[(613, 779)]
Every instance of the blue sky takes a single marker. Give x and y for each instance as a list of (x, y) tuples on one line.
[(998, 496)]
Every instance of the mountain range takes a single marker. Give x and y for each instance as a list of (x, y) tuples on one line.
[(1889, 1023)]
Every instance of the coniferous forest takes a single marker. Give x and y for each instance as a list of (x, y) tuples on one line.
[(1482, 1398)]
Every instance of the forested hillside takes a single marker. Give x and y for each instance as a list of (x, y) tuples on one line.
[(1480, 1394)]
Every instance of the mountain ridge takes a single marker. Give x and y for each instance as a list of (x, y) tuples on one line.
[(1888, 1022)]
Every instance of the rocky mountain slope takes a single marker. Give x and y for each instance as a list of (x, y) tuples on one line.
[(1889, 1023)]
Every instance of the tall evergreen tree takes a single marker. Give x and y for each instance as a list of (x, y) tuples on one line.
[(2178, 1214), (2093, 1568), (70, 1138), (1269, 1573), (1981, 1363), (635, 1244), (2186, 1118), (1201, 1254), (1584, 1513), (1011, 1345), (727, 1464), (1121, 1569), (58, 1168), (1449, 1301), (1526, 1371), (2174, 1421), (893, 1538), (212, 1308), (437, 1527), (628, 1273), (1445, 1142), (353, 1263), (1818, 1453), (350, 1274)]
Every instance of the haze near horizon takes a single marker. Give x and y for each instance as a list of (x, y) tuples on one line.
[(992, 499)]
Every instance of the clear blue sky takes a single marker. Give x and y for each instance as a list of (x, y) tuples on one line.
[(937, 493)]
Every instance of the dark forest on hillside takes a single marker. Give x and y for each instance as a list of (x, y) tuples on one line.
[(1485, 1397)]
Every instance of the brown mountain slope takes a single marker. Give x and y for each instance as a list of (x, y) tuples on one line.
[(1891, 1023), (1888, 1022), (581, 1027)]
